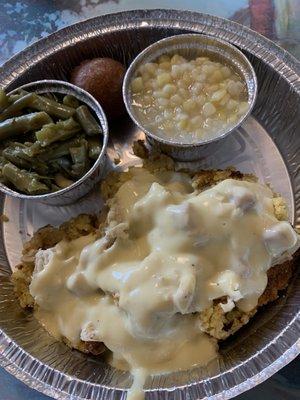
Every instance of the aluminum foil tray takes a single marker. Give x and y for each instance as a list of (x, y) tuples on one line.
[(267, 144)]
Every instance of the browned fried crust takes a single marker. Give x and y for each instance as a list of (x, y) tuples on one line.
[(278, 279)]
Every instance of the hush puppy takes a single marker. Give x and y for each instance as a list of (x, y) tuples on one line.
[(102, 78)]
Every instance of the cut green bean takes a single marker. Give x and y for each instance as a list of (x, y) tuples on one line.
[(79, 155), (10, 155), (14, 97), (56, 132), (52, 107), (23, 124), (4, 100), (70, 101), (24, 181), (56, 150), (18, 105), (94, 148), (62, 149), (16, 154), (90, 126), (34, 149), (18, 94), (3, 162)]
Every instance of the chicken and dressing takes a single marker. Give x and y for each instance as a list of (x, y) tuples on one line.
[(168, 252)]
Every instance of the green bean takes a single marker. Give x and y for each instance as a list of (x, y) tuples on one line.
[(20, 93), (62, 149), (58, 131), (24, 181), (52, 107), (90, 126), (10, 155), (16, 154), (70, 101), (80, 159), (23, 124), (34, 149), (18, 105), (79, 153), (4, 101), (56, 150), (94, 147), (3, 161), (14, 97)]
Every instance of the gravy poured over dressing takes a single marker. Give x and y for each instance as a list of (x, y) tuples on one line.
[(168, 252)]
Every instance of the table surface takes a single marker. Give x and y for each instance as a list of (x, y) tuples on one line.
[(24, 22)]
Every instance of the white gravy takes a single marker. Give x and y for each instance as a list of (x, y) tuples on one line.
[(168, 252)]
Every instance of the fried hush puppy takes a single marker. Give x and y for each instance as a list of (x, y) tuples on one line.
[(102, 78)]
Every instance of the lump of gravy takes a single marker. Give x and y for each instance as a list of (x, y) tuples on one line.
[(168, 252)]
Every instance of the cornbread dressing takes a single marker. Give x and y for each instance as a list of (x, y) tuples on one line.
[(168, 252)]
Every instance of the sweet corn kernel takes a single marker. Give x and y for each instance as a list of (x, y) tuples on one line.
[(164, 78), (208, 109), (137, 84)]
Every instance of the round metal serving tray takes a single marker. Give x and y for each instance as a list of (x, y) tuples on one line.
[(267, 144)]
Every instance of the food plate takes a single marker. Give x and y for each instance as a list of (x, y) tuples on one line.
[(267, 144)]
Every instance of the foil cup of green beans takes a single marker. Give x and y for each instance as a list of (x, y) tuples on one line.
[(53, 139)]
